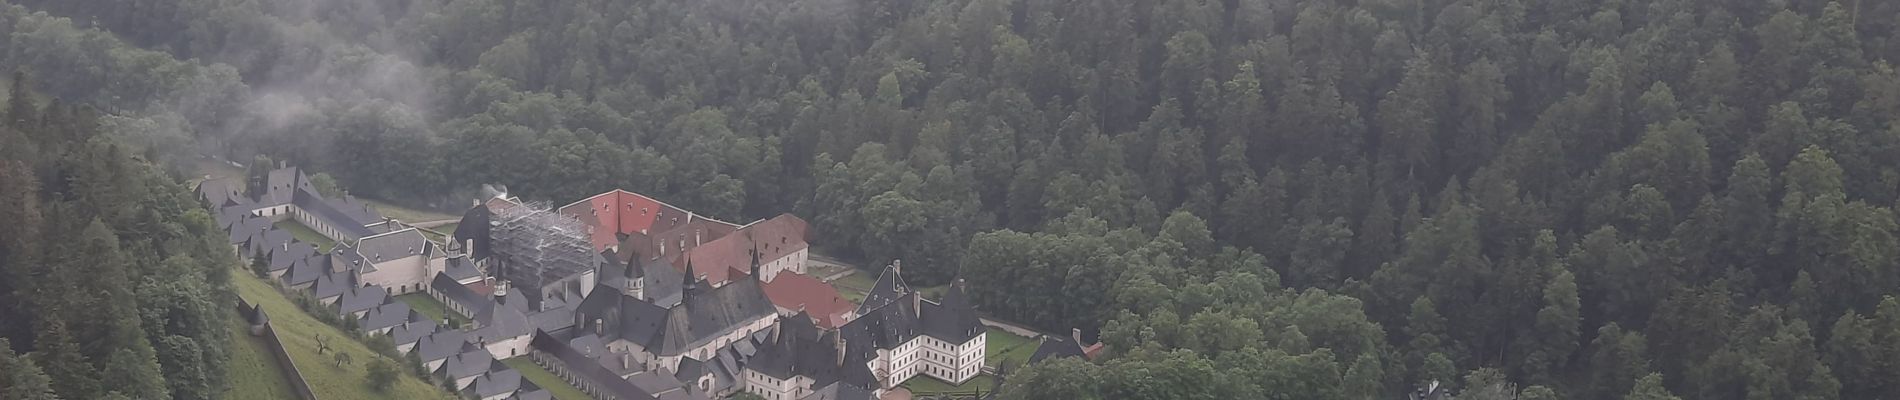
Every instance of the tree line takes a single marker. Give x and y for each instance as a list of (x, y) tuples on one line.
[(1290, 198)]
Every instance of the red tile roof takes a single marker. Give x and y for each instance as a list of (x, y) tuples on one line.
[(795, 291), (1093, 351), (777, 237), (621, 212), (774, 239), (480, 287)]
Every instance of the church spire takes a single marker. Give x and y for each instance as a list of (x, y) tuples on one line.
[(692, 279), (755, 266)]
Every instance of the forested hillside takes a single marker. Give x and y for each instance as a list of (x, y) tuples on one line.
[(114, 282), (1246, 198)]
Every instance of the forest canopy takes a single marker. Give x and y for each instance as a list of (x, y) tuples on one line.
[(1299, 199)]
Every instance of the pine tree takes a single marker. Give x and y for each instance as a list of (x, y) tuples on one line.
[(1556, 328), (260, 264), (20, 378), (1650, 387), (1617, 358), (20, 108), (57, 353), (134, 372)]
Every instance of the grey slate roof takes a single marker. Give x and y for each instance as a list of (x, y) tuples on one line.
[(1055, 347), (263, 242), (222, 192), (889, 287), (333, 284), (474, 227), (501, 322), (248, 226), (801, 349), (682, 395), (345, 257), (882, 328), (394, 246), (659, 281), (689, 370), (346, 215), (281, 185), (283, 256), (306, 271), (228, 216), (465, 364), (840, 391), (953, 319), (362, 298), (668, 331), (655, 383), (418, 327), (385, 316), (442, 344), (589, 369), (588, 345), (460, 269), (529, 391), (554, 320), (495, 382), (725, 370), (458, 294)]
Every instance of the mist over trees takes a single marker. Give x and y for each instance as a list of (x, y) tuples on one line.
[(1245, 198)]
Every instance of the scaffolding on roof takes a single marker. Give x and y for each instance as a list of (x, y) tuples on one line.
[(536, 247)]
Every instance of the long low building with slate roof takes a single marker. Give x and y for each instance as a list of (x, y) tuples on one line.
[(289, 194)]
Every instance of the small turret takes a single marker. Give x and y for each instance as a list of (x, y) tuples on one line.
[(755, 266), (631, 284)]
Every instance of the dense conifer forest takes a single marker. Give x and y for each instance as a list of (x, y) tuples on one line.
[(1258, 199), (114, 281)]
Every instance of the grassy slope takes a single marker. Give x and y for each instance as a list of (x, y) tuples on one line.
[(422, 303), (254, 373), (306, 235), (925, 384), (296, 329), (406, 214), (1004, 347), (546, 380), (445, 231)]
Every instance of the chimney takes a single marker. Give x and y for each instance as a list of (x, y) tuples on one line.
[(838, 339), (626, 361), (1076, 333), (501, 292), (597, 328), (897, 265)]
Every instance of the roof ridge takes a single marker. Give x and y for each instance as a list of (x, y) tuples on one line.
[(410, 228)]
